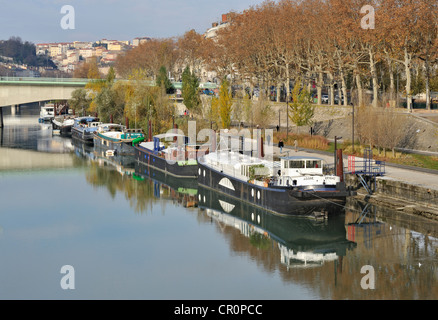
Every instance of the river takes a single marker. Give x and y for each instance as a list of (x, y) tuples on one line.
[(75, 224)]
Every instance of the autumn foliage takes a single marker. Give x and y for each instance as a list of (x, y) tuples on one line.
[(365, 50)]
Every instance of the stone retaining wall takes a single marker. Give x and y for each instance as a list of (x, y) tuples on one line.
[(398, 195), (407, 191)]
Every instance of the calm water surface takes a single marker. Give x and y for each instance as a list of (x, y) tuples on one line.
[(131, 233)]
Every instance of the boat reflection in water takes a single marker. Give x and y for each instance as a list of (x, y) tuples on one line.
[(298, 241), (123, 164), (182, 190), (303, 242)]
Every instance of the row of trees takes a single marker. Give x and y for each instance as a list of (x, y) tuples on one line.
[(133, 101), (327, 43), (301, 46)]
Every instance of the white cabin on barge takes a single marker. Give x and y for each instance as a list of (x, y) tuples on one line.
[(303, 171), (288, 172)]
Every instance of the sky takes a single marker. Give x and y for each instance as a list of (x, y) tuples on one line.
[(40, 21)]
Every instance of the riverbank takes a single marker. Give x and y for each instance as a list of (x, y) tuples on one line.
[(336, 121), (403, 196)]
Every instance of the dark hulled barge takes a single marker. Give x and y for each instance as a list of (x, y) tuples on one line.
[(170, 153), (277, 186)]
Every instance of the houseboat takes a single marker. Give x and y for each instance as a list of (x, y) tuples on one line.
[(63, 125), (84, 127), (278, 186), (171, 153), (116, 138), (47, 112)]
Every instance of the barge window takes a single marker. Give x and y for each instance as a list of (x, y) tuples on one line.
[(313, 164), (296, 164)]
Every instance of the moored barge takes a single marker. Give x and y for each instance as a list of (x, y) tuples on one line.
[(170, 153), (84, 127), (116, 138), (277, 186)]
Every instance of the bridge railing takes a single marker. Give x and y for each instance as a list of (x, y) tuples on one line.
[(39, 79)]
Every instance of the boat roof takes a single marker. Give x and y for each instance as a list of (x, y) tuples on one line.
[(87, 118), (168, 135), (110, 125), (300, 158), (150, 145)]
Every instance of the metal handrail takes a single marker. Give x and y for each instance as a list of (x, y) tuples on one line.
[(39, 79)]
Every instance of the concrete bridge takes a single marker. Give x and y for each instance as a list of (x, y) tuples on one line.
[(21, 90), (16, 91)]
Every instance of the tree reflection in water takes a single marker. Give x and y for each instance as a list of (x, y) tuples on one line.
[(141, 186), (401, 249)]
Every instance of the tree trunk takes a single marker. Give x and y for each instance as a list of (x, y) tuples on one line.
[(359, 89), (344, 90), (407, 64), (251, 90), (339, 95), (287, 82), (427, 82), (319, 86), (287, 100), (374, 78), (309, 82), (332, 89), (391, 79), (341, 74)]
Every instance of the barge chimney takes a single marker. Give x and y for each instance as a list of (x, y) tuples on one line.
[(339, 165)]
